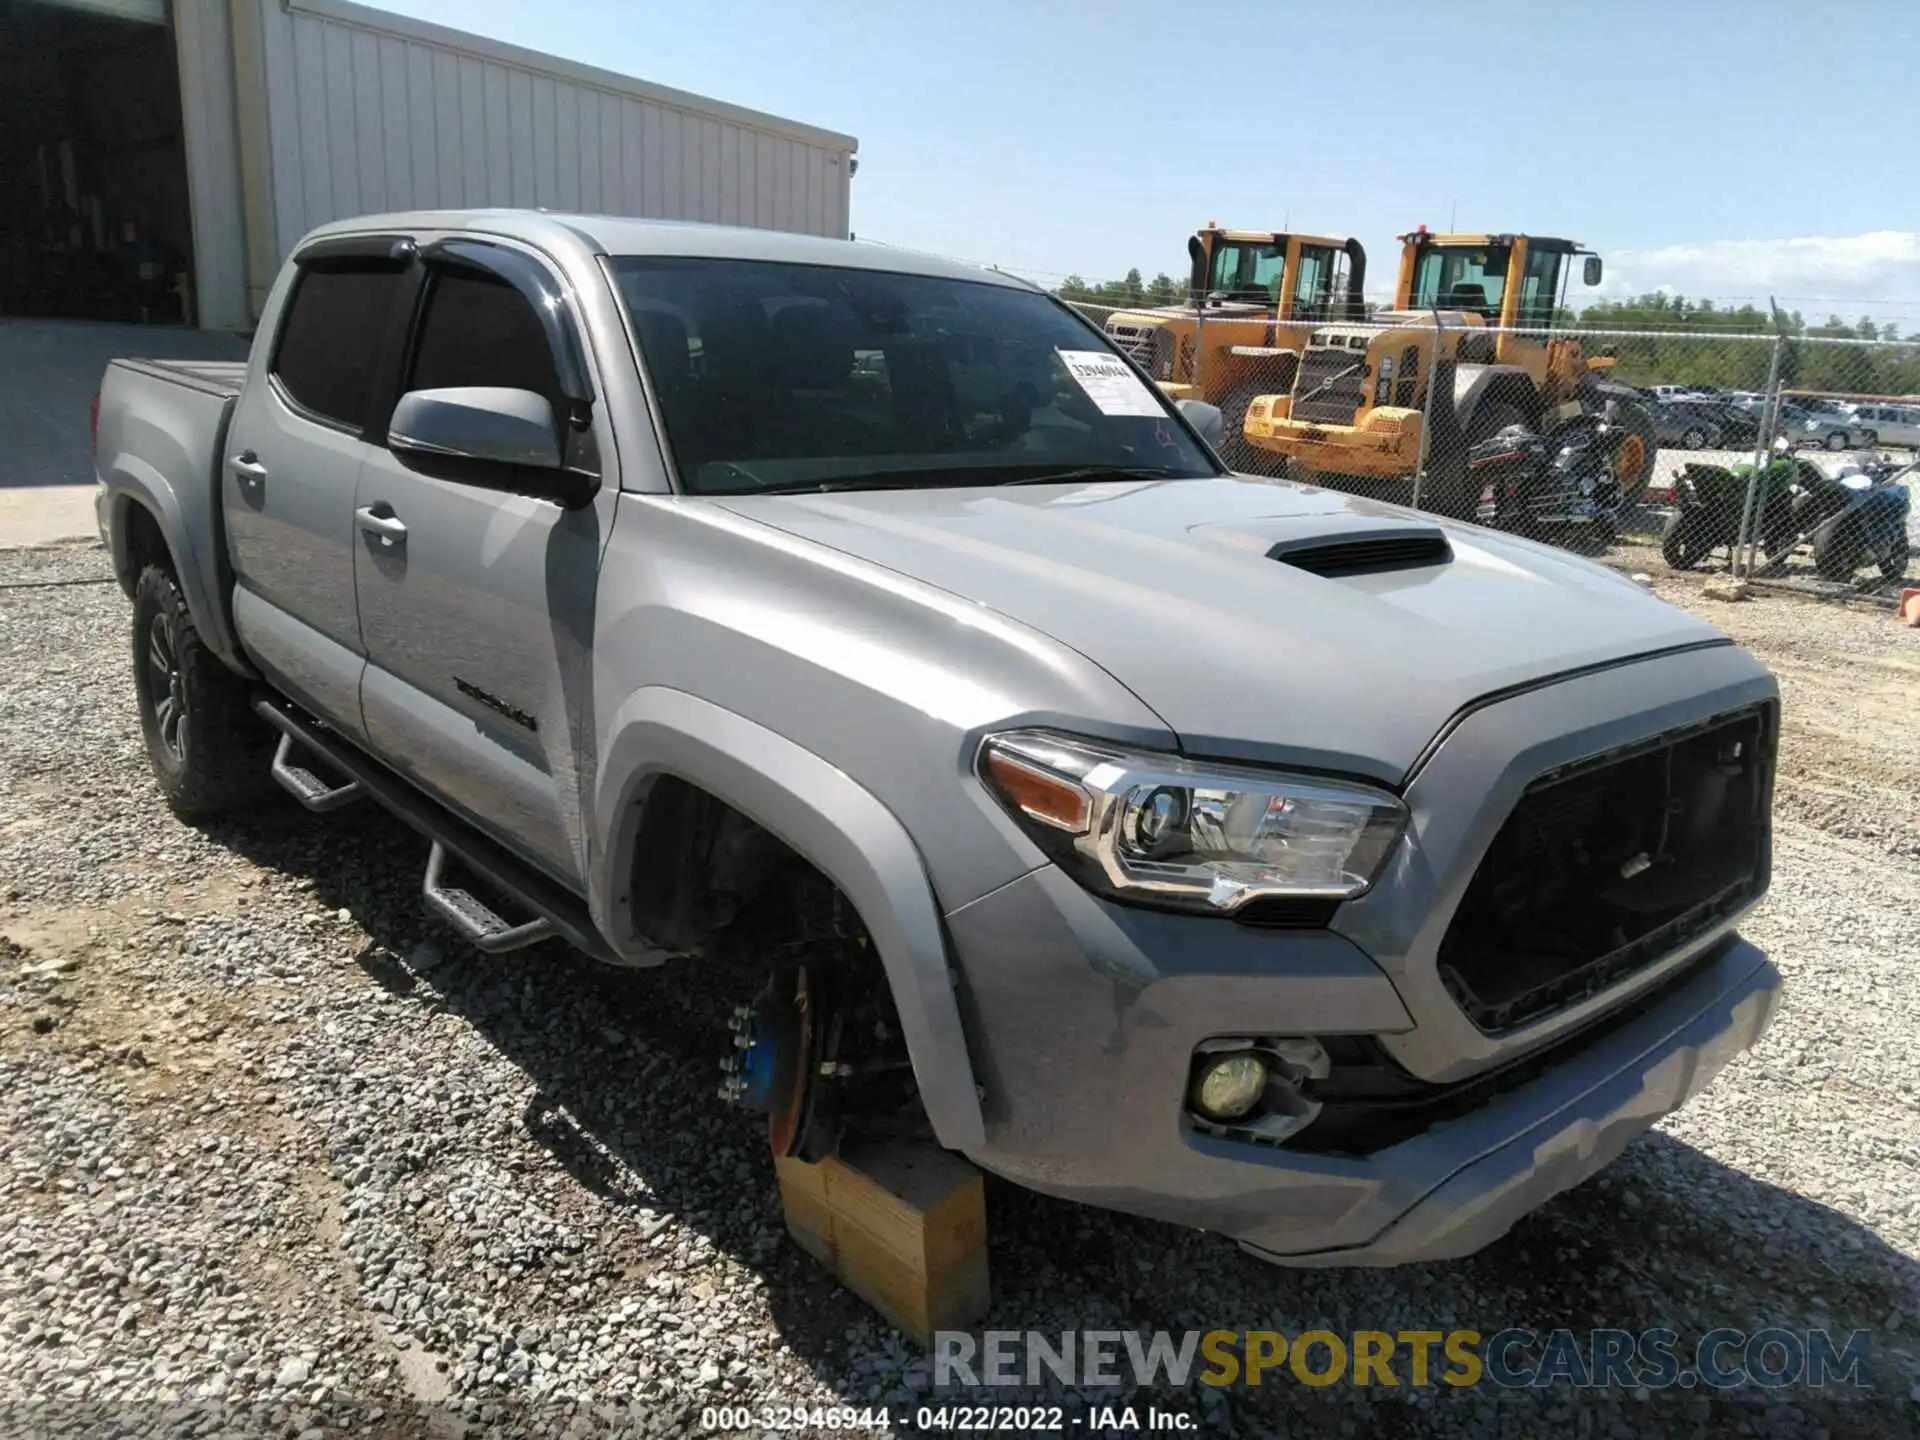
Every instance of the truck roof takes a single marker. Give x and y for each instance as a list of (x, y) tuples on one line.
[(625, 235)]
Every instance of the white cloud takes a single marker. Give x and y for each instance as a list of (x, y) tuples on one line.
[(1875, 273)]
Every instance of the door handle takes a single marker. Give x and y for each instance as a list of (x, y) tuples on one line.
[(246, 465), (389, 528)]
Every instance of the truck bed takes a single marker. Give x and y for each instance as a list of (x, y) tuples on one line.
[(217, 377)]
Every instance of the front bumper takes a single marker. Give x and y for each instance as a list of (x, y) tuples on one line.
[(1083, 1016), (1384, 445)]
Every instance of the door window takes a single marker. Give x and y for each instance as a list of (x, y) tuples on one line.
[(481, 331), (1321, 275), (1540, 286), (330, 338)]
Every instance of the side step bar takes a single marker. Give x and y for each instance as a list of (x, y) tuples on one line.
[(483, 929), (305, 786), (559, 910)]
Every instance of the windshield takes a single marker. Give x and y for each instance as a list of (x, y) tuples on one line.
[(786, 377), (1248, 270), (1461, 279)]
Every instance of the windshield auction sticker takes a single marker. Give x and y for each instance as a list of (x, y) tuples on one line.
[(1113, 388)]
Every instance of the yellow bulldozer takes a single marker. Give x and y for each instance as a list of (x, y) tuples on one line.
[(1476, 314), (1257, 296)]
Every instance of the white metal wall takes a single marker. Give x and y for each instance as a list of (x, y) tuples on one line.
[(370, 112)]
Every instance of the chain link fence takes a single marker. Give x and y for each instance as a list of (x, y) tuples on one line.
[(1783, 460)]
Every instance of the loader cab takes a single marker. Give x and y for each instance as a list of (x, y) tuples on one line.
[(1308, 278), (1515, 281)]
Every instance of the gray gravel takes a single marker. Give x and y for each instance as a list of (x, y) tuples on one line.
[(282, 1158)]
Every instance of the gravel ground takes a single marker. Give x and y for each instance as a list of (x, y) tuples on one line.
[(281, 1158)]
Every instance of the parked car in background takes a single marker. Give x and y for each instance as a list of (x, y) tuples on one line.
[(1890, 424), (1828, 427), (1739, 427), (1688, 424)]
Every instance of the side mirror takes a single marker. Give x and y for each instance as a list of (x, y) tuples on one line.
[(1207, 419), (487, 423), (1590, 272)]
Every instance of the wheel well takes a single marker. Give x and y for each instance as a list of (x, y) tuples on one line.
[(767, 924), (146, 543), (1511, 390), (705, 875)]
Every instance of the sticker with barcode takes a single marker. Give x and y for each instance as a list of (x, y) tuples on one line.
[(1113, 388)]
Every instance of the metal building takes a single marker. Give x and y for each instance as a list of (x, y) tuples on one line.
[(158, 158)]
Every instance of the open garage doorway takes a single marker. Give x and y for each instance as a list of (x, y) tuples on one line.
[(94, 216)]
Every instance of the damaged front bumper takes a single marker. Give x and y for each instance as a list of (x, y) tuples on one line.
[(1083, 1017)]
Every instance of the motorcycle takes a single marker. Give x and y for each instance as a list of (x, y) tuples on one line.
[(1709, 499), (1560, 488), (1854, 518), (1858, 518)]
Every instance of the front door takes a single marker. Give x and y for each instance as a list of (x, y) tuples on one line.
[(476, 603), (289, 471)]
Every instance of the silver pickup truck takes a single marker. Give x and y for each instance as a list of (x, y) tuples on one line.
[(1241, 854)]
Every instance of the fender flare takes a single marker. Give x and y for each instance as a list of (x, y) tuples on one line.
[(131, 481), (831, 821), (1474, 383)]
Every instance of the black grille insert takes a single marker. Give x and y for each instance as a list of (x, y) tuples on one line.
[(1331, 385), (1610, 864), (1364, 554)]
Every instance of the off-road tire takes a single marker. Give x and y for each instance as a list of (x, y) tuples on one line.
[(209, 751), (1632, 415)]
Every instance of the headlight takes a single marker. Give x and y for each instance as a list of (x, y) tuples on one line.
[(1163, 830)]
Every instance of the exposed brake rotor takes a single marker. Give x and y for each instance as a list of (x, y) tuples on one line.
[(782, 1043)]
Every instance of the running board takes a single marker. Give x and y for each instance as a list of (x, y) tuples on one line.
[(564, 910), (305, 786), (477, 924)]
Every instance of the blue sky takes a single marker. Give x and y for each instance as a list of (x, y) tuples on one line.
[(1720, 148)]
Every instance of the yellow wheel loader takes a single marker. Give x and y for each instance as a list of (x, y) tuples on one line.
[(1257, 296), (1473, 317)]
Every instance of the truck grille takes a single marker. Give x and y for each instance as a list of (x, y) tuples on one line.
[(1149, 346), (1341, 398), (1607, 866)]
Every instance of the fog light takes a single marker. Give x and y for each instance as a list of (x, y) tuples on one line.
[(1229, 1086)]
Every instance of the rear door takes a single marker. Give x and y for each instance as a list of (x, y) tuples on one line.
[(292, 462), (478, 613)]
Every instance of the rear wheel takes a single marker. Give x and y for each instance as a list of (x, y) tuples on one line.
[(1694, 439), (1683, 545), (1837, 554), (208, 750), (1234, 447), (1893, 564)]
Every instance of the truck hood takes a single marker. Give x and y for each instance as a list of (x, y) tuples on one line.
[(1174, 588)]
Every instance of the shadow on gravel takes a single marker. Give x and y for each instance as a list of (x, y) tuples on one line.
[(623, 1065)]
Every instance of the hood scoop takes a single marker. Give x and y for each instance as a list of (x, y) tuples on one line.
[(1372, 551)]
